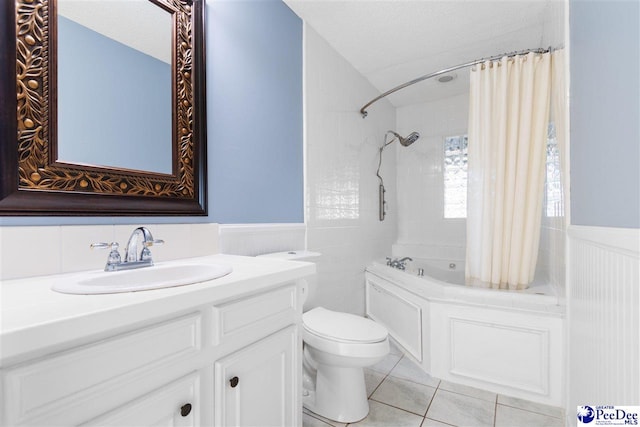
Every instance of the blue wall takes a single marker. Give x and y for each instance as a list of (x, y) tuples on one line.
[(605, 115), (254, 95), (254, 104), (129, 90)]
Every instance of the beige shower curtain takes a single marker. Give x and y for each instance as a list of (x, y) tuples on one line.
[(508, 119)]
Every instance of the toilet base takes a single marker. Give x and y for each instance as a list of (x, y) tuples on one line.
[(340, 394)]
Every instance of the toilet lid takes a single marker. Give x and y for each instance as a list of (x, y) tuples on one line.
[(342, 326)]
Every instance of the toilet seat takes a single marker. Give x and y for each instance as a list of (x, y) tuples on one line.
[(342, 327)]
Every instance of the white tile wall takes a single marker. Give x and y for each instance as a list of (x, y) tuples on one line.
[(27, 251), (341, 186), (421, 223)]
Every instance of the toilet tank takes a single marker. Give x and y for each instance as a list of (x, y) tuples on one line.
[(301, 255), (310, 284)]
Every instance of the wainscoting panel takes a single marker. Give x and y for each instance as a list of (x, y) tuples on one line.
[(604, 320)]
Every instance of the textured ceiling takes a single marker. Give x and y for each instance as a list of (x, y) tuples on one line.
[(391, 42)]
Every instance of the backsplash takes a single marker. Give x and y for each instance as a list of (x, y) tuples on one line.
[(27, 251)]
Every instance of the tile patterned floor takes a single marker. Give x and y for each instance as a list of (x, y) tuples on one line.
[(402, 395)]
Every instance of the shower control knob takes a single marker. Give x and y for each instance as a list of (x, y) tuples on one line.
[(234, 382), (185, 409)]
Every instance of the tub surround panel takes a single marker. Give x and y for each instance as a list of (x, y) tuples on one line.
[(526, 364), (516, 354), (604, 312), (401, 316), (28, 251), (341, 200), (470, 335), (538, 297)]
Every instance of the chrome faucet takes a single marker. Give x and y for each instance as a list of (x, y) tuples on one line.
[(131, 257), (400, 264), (131, 252)]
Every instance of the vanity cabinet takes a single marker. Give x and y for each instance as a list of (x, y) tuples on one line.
[(230, 362), (254, 386)]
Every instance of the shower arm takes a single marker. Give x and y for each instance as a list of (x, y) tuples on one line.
[(395, 136), (363, 110)]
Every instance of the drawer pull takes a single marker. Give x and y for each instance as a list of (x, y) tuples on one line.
[(234, 382), (185, 409)]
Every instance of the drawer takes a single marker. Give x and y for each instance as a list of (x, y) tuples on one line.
[(36, 388), (266, 313), (161, 407)]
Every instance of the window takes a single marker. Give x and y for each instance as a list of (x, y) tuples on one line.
[(455, 176), (553, 203)]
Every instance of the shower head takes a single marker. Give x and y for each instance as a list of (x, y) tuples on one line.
[(410, 139)]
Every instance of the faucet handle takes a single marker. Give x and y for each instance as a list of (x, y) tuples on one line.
[(114, 256), (145, 255), (101, 245), (156, 242)]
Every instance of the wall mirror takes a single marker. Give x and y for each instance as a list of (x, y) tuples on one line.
[(103, 107)]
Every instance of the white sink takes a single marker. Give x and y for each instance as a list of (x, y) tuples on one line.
[(142, 279)]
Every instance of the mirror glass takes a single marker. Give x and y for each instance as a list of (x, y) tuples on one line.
[(115, 84)]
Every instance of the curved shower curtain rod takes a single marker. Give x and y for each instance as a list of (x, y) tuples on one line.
[(364, 112)]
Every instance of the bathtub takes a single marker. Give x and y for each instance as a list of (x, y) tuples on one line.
[(509, 342)]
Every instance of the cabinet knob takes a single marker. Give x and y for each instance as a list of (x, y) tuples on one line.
[(234, 382), (185, 409)]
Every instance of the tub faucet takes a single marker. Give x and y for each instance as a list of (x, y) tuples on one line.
[(131, 257), (400, 264)]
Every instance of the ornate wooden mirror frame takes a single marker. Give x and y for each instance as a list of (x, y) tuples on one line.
[(34, 182)]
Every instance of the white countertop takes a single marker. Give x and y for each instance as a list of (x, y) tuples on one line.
[(35, 319)]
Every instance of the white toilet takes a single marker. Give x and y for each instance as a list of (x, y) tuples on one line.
[(337, 346)]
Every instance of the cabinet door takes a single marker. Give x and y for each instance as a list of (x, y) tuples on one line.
[(257, 385), (176, 404)]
